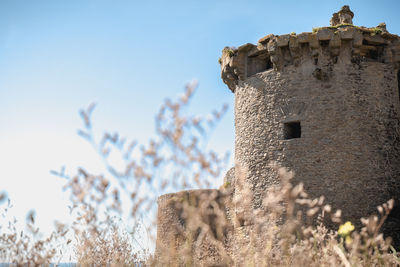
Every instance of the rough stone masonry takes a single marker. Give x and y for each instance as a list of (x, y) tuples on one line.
[(325, 104)]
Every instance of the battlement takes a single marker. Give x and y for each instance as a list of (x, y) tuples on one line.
[(341, 42)]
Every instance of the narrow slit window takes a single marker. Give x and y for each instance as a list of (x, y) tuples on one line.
[(291, 130), (269, 64)]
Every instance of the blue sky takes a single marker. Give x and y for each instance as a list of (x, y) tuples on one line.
[(127, 56)]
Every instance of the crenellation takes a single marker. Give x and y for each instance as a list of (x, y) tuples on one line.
[(346, 33), (313, 41), (284, 50), (293, 42), (324, 34)]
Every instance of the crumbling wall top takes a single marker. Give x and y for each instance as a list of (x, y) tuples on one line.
[(344, 16), (342, 38)]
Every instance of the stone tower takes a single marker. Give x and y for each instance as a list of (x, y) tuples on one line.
[(326, 105)]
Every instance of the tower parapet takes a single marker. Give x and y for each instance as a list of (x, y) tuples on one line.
[(342, 41)]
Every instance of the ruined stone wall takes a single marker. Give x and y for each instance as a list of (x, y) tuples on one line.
[(192, 228), (339, 85)]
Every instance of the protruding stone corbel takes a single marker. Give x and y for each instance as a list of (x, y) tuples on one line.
[(313, 39), (228, 75), (347, 33), (324, 34), (357, 42), (303, 37), (233, 64), (273, 50), (266, 39), (294, 46)]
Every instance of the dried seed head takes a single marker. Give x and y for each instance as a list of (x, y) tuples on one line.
[(327, 208), (380, 209), (390, 204), (31, 217), (321, 200), (312, 212)]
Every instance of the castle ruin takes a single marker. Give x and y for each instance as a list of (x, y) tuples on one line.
[(326, 105)]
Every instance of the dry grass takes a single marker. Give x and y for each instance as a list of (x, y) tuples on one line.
[(29, 247), (107, 247), (171, 161), (290, 229)]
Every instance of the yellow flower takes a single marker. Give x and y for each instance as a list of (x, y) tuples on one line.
[(348, 240), (345, 229)]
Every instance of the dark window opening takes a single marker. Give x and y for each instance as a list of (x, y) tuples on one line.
[(269, 64), (324, 43), (372, 52), (291, 130), (258, 64)]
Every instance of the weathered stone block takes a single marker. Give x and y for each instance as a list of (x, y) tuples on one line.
[(344, 16), (335, 41), (357, 38), (283, 40), (346, 33), (314, 43), (275, 61), (324, 34), (246, 47), (303, 37), (266, 39), (356, 51), (293, 42), (180, 216), (258, 50), (335, 51), (368, 47), (388, 56), (272, 47)]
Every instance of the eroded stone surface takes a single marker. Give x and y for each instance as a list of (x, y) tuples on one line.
[(344, 16)]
